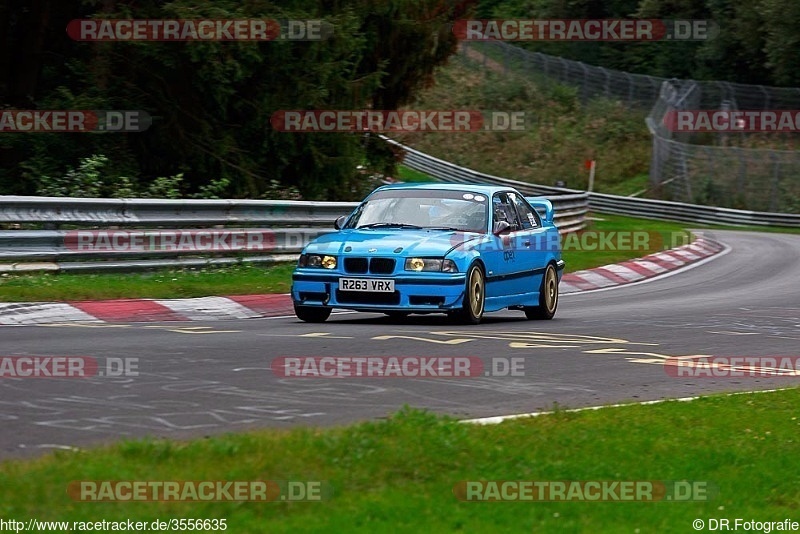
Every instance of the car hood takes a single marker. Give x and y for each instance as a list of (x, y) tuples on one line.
[(387, 241)]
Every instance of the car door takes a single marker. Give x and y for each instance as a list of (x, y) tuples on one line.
[(532, 247), (501, 254)]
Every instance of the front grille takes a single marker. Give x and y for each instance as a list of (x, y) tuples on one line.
[(381, 266), (355, 265), (358, 297), (373, 265)]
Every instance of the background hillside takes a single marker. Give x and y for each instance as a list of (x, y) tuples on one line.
[(212, 100)]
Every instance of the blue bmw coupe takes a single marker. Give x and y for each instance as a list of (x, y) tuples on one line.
[(434, 248)]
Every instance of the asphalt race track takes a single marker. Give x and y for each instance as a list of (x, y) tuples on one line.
[(201, 378)]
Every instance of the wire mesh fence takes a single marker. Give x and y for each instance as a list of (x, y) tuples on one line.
[(746, 170), (729, 169), (590, 81)]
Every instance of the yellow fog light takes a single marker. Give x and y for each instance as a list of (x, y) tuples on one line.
[(416, 264), (329, 262)]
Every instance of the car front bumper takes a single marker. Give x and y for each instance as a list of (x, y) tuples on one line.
[(413, 293)]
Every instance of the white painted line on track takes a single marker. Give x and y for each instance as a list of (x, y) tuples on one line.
[(295, 317), (500, 418)]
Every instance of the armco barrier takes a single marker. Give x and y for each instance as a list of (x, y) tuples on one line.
[(133, 234), (573, 203), (141, 212), (692, 213), (219, 231)]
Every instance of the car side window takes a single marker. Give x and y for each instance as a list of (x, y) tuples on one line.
[(504, 211), (528, 218)]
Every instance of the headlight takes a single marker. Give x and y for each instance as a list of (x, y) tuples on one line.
[(329, 262), (317, 261), (430, 264)]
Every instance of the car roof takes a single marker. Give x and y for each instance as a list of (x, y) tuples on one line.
[(485, 189)]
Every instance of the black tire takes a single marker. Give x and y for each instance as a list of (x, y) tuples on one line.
[(474, 296), (548, 296), (312, 314)]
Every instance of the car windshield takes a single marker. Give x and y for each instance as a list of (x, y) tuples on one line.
[(422, 208)]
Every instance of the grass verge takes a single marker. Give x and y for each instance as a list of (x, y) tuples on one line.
[(660, 235), (398, 475), (407, 174), (185, 283)]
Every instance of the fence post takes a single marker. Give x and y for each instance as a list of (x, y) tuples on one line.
[(585, 92), (655, 163), (742, 175), (687, 180), (766, 97), (774, 191), (630, 88)]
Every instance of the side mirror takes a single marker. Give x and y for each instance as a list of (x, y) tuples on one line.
[(501, 227), (339, 222)]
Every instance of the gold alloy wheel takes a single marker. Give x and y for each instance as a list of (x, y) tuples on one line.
[(550, 289), (548, 296), (476, 285)]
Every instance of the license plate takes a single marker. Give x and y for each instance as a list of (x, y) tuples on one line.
[(368, 285)]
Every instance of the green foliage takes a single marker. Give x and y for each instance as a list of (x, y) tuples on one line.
[(214, 189), (212, 101), (560, 133), (87, 180), (758, 41), (708, 193), (164, 187), (91, 179)]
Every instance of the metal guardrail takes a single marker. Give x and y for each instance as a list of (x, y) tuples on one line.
[(123, 234), (129, 250), (140, 212), (574, 204), (266, 230), (692, 213), (129, 234)]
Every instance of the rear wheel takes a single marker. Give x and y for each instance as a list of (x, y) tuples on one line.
[(474, 296), (312, 314), (548, 296)]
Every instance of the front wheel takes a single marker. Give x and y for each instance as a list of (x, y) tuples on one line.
[(312, 314), (474, 297), (548, 296)]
